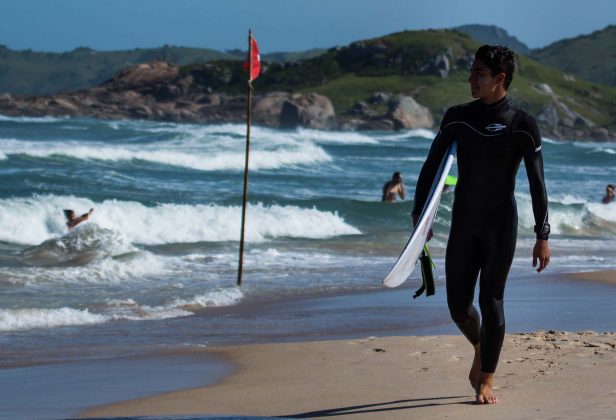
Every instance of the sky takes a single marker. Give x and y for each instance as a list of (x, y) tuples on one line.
[(279, 25)]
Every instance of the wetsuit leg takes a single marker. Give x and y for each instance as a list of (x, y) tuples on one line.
[(498, 247), (462, 264)]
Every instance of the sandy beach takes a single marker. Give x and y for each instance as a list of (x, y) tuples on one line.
[(541, 375)]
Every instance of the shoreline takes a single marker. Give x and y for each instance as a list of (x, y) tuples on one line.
[(534, 303), (398, 377)]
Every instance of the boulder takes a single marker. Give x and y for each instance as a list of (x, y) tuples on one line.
[(439, 66), (379, 98), (305, 110), (268, 108), (64, 104), (548, 116), (143, 75), (544, 88), (360, 109), (406, 113), (600, 134)]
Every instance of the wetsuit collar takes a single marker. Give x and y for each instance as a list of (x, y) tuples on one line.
[(504, 101)]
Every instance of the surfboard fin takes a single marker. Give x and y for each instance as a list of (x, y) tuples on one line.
[(426, 264)]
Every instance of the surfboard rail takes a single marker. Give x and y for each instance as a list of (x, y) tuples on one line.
[(407, 260)]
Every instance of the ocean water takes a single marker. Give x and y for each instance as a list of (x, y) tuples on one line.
[(159, 254)]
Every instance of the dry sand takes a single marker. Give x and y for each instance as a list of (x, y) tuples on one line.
[(541, 375), (608, 277)]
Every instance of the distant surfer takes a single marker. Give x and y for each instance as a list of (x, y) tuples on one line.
[(609, 194), (393, 188), (72, 220), (492, 138)]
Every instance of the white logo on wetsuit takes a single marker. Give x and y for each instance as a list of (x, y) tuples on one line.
[(495, 127)]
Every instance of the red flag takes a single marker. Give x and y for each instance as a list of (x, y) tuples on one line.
[(256, 60)]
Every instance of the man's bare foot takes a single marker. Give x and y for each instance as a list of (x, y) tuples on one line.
[(473, 375), (484, 389)]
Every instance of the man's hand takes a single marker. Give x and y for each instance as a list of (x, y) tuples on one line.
[(415, 219), (541, 253)]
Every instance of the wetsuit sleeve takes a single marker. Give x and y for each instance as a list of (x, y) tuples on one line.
[(529, 140), (439, 147)]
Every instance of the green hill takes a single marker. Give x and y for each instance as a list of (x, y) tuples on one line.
[(408, 63), (591, 57), (39, 73), (36, 73)]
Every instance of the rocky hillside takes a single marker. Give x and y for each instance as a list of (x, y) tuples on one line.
[(589, 57), (493, 35), (403, 80)]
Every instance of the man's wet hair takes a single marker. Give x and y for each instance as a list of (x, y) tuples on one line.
[(396, 176), (498, 59)]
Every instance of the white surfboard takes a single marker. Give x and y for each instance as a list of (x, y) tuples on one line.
[(403, 268)]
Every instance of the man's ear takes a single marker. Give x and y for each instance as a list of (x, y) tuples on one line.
[(500, 79)]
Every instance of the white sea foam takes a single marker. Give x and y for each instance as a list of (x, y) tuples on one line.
[(572, 215), (32, 119), (27, 319), (115, 310), (603, 212), (567, 199), (187, 155), (332, 137), (218, 297), (171, 223), (420, 132), (132, 268), (37, 219)]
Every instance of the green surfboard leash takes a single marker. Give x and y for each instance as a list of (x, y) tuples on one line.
[(427, 275)]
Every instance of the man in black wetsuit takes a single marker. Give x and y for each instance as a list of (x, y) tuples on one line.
[(493, 137)]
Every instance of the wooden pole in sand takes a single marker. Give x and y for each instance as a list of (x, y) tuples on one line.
[(245, 196)]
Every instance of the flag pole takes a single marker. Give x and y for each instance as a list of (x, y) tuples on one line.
[(245, 195)]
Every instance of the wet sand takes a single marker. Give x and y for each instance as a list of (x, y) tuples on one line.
[(541, 375)]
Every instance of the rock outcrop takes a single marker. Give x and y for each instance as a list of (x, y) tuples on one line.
[(558, 119), (287, 110), (402, 112), (406, 113), (439, 66), (160, 91)]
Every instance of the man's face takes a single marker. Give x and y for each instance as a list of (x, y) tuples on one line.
[(482, 83)]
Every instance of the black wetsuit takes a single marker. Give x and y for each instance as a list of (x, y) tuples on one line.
[(492, 141)]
